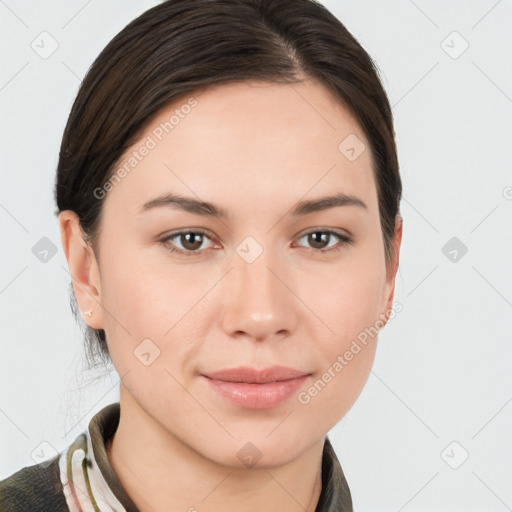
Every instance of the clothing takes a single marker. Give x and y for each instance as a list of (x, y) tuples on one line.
[(80, 477)]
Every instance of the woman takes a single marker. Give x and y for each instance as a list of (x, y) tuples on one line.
[(228, 198)]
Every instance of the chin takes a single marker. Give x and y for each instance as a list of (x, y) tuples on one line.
[(259, 451)]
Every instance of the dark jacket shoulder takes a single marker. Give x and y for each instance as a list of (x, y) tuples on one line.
[(35, 488)]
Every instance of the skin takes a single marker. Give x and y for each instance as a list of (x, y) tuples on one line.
[(177, 441)]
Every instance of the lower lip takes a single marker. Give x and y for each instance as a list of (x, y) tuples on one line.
[(257, 396)]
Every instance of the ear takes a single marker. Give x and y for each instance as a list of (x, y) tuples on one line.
[(83, 268), (389, 286)]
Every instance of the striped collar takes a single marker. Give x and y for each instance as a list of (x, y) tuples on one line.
[(90, 484)]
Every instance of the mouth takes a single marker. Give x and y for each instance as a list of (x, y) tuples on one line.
[(256, 389)]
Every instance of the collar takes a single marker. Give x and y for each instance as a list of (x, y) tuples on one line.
[(89, 480)]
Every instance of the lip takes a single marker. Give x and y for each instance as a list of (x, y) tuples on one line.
[(253, 376), (256, 389)]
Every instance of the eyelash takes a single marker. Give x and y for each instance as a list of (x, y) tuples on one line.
[(344, 240)]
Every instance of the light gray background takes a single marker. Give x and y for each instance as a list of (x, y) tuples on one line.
[(442, 370)]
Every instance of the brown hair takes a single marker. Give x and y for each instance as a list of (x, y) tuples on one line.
[(182, 46)]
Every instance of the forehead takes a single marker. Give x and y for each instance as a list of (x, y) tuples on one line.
[(248, 141)]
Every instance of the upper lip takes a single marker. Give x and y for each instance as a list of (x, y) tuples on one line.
[(252, 375)]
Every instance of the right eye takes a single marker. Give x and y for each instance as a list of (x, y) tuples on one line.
[(190, 241)]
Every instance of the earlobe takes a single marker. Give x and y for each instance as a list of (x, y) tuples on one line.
[(83, 269)]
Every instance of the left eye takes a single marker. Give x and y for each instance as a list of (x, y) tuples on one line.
[(319, 237)]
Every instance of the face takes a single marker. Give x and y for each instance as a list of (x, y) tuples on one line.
[(185, 292)]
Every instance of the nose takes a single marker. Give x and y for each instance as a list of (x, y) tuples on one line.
[(259, 301)]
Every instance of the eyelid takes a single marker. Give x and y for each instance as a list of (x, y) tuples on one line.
[(320, 229)]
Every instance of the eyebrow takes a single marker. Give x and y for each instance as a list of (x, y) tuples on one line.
[(208, 209)]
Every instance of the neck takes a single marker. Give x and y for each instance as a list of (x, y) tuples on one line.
[(161, 473)]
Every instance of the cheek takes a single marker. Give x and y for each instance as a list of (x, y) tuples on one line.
[(348, 299), (144, 300), (349, 307), (334, 390), (141, 291), (345, 357)]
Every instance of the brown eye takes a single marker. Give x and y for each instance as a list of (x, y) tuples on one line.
[(320, 239), (191, 241), (186, 242)]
